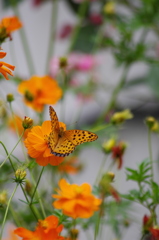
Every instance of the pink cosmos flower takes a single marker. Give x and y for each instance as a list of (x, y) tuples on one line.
[(76, 61)]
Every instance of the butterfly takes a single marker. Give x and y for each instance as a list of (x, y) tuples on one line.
[(61, 142)]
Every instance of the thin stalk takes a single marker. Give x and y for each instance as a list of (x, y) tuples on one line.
[(39, 198), (25, 44), (36, 186), (15, 216), (13, 149), (33, 209), (6, 212), (81, 13), (51, 44), (114, 96), (150, 153), (100, 170)]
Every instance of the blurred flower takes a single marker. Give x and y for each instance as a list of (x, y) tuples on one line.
[(147, 223), (117, 153), (75, 61), (82, 61), (70, 165), (48, 229), (36, 143), (65, 31), (120, 117), (20, 175), (39, 91), (109, 7), (152, 124), (5, 67), (96, 18), (155, 233), (7, 26), (3, 197), (73, 234), (76, 201), (106, 187), (108, 146)]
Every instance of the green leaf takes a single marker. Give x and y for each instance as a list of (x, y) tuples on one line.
[(10, 3)]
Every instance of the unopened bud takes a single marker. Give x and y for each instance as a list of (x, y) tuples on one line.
[(10, 97), (107, 146), (120, 117), (20, 175), (3, 197), (28, 187), (63, 62), (109, 7), (27, 122), (74, 233), (152, 124)]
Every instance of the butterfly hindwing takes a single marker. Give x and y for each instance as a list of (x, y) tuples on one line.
[(78, 137), (63, 148)]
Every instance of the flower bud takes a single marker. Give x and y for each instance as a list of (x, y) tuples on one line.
[(107, 146), (109, 7), (10, 97), (3, 197), (27, 122), (20, 175), (120, 117), (63, 62), (28, 187), (152, 124), (74, 234)]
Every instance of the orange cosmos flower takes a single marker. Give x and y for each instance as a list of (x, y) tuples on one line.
[(46, 229), (5, 67), (8, 25), (70, 165), (76, 201), (36, 143), (39, 91)]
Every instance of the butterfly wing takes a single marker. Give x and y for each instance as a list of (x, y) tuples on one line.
[(78, 137), (54, 135), (54, 119), (64, 147)]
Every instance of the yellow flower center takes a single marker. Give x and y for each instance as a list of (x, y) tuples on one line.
[(43, 224)]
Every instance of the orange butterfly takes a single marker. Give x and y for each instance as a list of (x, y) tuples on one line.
[(62, 142)]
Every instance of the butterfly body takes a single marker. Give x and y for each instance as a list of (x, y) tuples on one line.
[(61, 142)]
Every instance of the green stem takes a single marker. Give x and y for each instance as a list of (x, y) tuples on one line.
[(115, 93), (81, 14), (24, 42), (33, 209), (54, 15), (6, 212), (39, 198), (100, 170), (150, 153), (12, 149), (36, 186), (15, 216)]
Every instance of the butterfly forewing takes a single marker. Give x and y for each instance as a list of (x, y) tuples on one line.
[(54, 119), (78, 137)]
